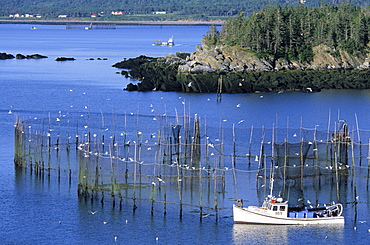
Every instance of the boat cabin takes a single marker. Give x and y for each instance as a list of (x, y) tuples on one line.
[(276, 206)]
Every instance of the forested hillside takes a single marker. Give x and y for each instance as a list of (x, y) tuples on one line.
[(291, 32), (198, 9)]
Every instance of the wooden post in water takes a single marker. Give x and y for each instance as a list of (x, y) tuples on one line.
[(219, 89), (250, 145), (164, 204), (368, 166), (152, 198), (359, 139), (215, 207)]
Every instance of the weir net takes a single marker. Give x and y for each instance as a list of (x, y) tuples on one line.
[(178, 160)]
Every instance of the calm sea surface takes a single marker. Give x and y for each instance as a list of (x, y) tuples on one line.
[(47, 211)]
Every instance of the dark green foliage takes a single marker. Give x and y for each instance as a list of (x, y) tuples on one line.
[(193, 9), (291, 32), (211, 37), (155, 76)]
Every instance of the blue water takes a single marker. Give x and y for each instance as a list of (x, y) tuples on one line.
[(36, 210)]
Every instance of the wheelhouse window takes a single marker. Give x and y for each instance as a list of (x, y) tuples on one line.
[(274, 208), (282, 208)]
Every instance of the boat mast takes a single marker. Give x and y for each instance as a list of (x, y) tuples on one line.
[(272, 162)]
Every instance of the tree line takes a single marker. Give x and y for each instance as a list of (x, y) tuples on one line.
[(291, 32), (202, 9)]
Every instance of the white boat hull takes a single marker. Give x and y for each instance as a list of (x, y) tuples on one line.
[(255, 215)]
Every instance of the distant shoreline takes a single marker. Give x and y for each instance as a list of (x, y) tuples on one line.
[(71, 21)]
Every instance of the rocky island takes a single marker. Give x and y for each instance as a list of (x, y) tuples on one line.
[(276, 49), (238, 71)]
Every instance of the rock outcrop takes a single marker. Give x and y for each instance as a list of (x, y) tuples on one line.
[(5, 56), (236, 70), (225, 59), (64, 58), (32, 56)]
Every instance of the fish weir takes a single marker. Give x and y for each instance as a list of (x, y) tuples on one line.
[(133, 159)]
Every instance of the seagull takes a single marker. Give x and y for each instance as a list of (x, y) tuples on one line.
[(362, 221), (105, 222), (115, 238), (238, 105), (93, 212), (240, 121), (153, 183), (160, 180)]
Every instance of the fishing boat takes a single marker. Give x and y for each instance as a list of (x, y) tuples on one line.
[(275, 211), (170, 42)]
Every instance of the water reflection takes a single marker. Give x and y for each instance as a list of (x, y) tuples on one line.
[(276, 234), (251, 234)]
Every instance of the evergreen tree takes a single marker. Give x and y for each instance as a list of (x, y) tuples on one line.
[(291, 32)]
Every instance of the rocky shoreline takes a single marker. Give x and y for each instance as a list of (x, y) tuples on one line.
[(235, 70)]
